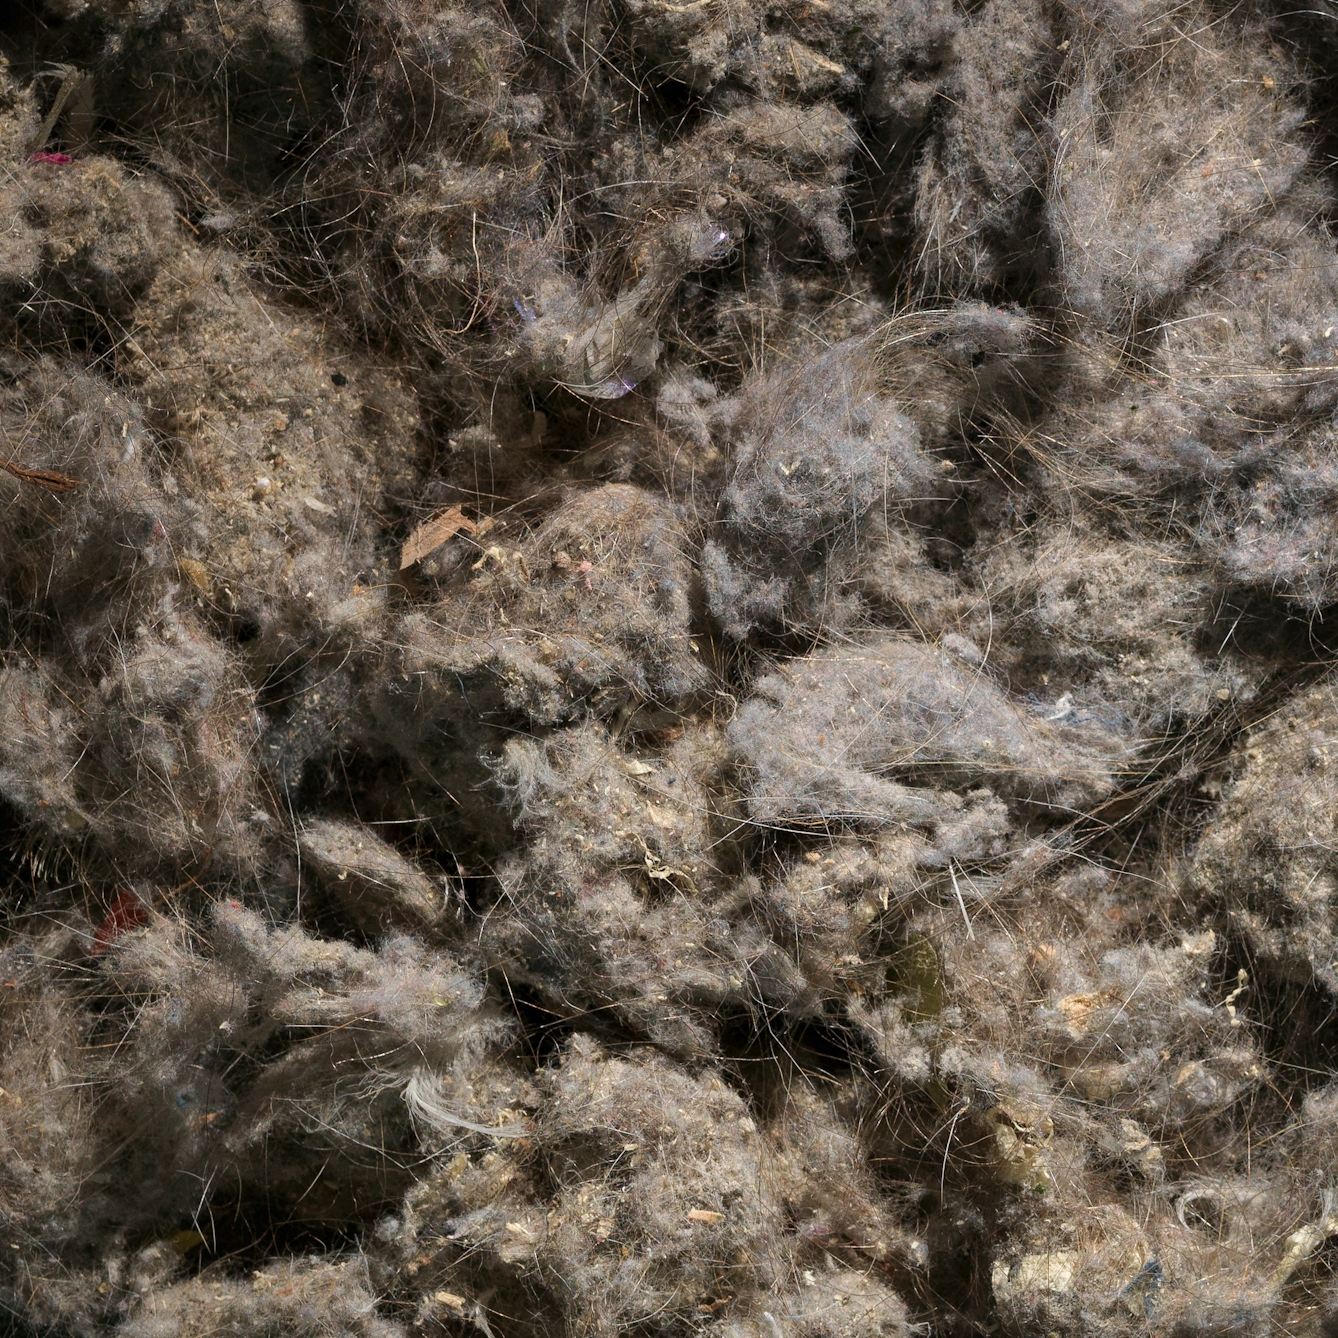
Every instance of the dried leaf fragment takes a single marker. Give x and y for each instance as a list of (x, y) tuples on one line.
[(706, 1216), (432, 533), (44, 478), (196, 573)]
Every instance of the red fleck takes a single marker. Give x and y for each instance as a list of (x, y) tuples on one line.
[(55, 159), (127, 912)]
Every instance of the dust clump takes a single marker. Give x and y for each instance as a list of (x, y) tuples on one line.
[(665, 669)]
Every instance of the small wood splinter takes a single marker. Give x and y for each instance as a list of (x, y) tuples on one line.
[(75, 97)]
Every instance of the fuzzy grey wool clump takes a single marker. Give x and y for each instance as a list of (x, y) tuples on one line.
[(367, 877), (1266, 852), (824, 741), (816, 451), (300, 1297), (666, 670)]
